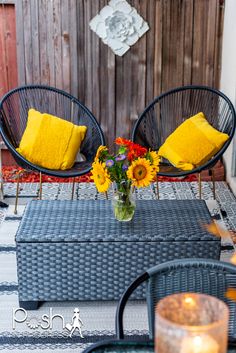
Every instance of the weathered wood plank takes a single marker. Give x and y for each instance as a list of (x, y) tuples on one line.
[(35, 41), (81, 52), (88, 55), (150, 51), (57, 35), (50, 43), (28, 40), (44, 64), (178, 39), (142, 62), (166, 45), (199, 41), (66, 69), (73, 30), (10, 46), (218, 42), (20, 43), (95, 66), (158, 48), (111, 99), (3, 59), (188, 42), (211, 38), (131, 98)]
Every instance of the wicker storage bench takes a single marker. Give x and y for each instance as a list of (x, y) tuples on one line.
[(76, 250)]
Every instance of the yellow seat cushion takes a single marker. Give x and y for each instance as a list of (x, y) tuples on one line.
[(193, 143), (50, 142)]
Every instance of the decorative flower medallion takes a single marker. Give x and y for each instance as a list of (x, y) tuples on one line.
[(119, 26)]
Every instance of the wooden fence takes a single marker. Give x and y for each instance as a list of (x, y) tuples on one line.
[(56, 47), (8, 61)]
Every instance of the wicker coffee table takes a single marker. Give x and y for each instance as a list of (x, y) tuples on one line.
[(76, 250)]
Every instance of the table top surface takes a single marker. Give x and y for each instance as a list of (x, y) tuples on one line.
[(93, 220)]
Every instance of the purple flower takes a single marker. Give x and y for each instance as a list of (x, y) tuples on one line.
[(120, 157), (109, 163), (124, 167)]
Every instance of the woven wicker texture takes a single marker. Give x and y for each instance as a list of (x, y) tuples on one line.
[(76, 250), (88, 220), (192, 276), (94, 271)]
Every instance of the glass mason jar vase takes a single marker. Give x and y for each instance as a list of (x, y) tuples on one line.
[(123, 201)]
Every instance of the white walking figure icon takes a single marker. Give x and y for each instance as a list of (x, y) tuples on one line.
[(75, 324)]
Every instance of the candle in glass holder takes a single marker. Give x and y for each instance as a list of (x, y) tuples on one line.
[(199, 344), (191, 323)]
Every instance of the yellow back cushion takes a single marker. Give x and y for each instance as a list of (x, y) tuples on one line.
[(193, 143), (50, 142)]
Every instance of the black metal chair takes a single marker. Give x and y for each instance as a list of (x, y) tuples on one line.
[(170, 109), (188, 275), (14, 108)]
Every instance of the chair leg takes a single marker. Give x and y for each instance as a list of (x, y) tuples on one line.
[(73, 189), (17, 193), (40, 186), (213, 183), (158, 191), (200, 185)]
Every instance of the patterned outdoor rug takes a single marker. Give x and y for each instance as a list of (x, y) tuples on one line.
[(98, 317)]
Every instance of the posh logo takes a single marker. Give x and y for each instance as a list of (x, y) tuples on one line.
[(45, 322)]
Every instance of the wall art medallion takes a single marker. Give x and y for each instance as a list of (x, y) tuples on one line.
[(119, 26)]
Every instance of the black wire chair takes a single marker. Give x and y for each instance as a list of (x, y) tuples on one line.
[(14, 108), (187, 275), (171, 109)]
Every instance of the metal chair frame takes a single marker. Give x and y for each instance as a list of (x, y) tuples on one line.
[(159, 116), (13, 117), (167, 269)]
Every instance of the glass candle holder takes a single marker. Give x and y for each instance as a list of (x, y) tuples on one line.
[(191, 323)]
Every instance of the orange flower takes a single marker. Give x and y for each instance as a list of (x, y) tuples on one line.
[(122, 141), (136, 151)]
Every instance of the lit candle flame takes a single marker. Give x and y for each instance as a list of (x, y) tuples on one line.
[(189, 301), (199, 344)]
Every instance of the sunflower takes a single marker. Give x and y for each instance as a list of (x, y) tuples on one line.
[(100, 151), (155, 160), (100, 176), (140, 172)]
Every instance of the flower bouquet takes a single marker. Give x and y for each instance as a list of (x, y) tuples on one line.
[(132, 166)]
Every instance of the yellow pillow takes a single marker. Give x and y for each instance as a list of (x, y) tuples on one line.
[(193, 143), (50, 142)]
